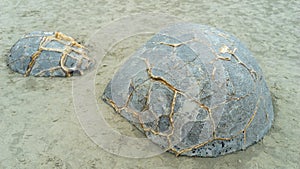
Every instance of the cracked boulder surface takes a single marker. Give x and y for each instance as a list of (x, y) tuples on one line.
[(48, 54), (193, 90)]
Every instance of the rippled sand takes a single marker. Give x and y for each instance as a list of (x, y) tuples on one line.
[(39, 127)]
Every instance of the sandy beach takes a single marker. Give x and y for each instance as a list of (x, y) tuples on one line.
[(40, 123)]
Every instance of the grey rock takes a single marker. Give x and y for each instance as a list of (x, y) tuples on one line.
[(193, 90), (48, 54)]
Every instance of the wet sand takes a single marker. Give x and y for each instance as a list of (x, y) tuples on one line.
[(38, 122)]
